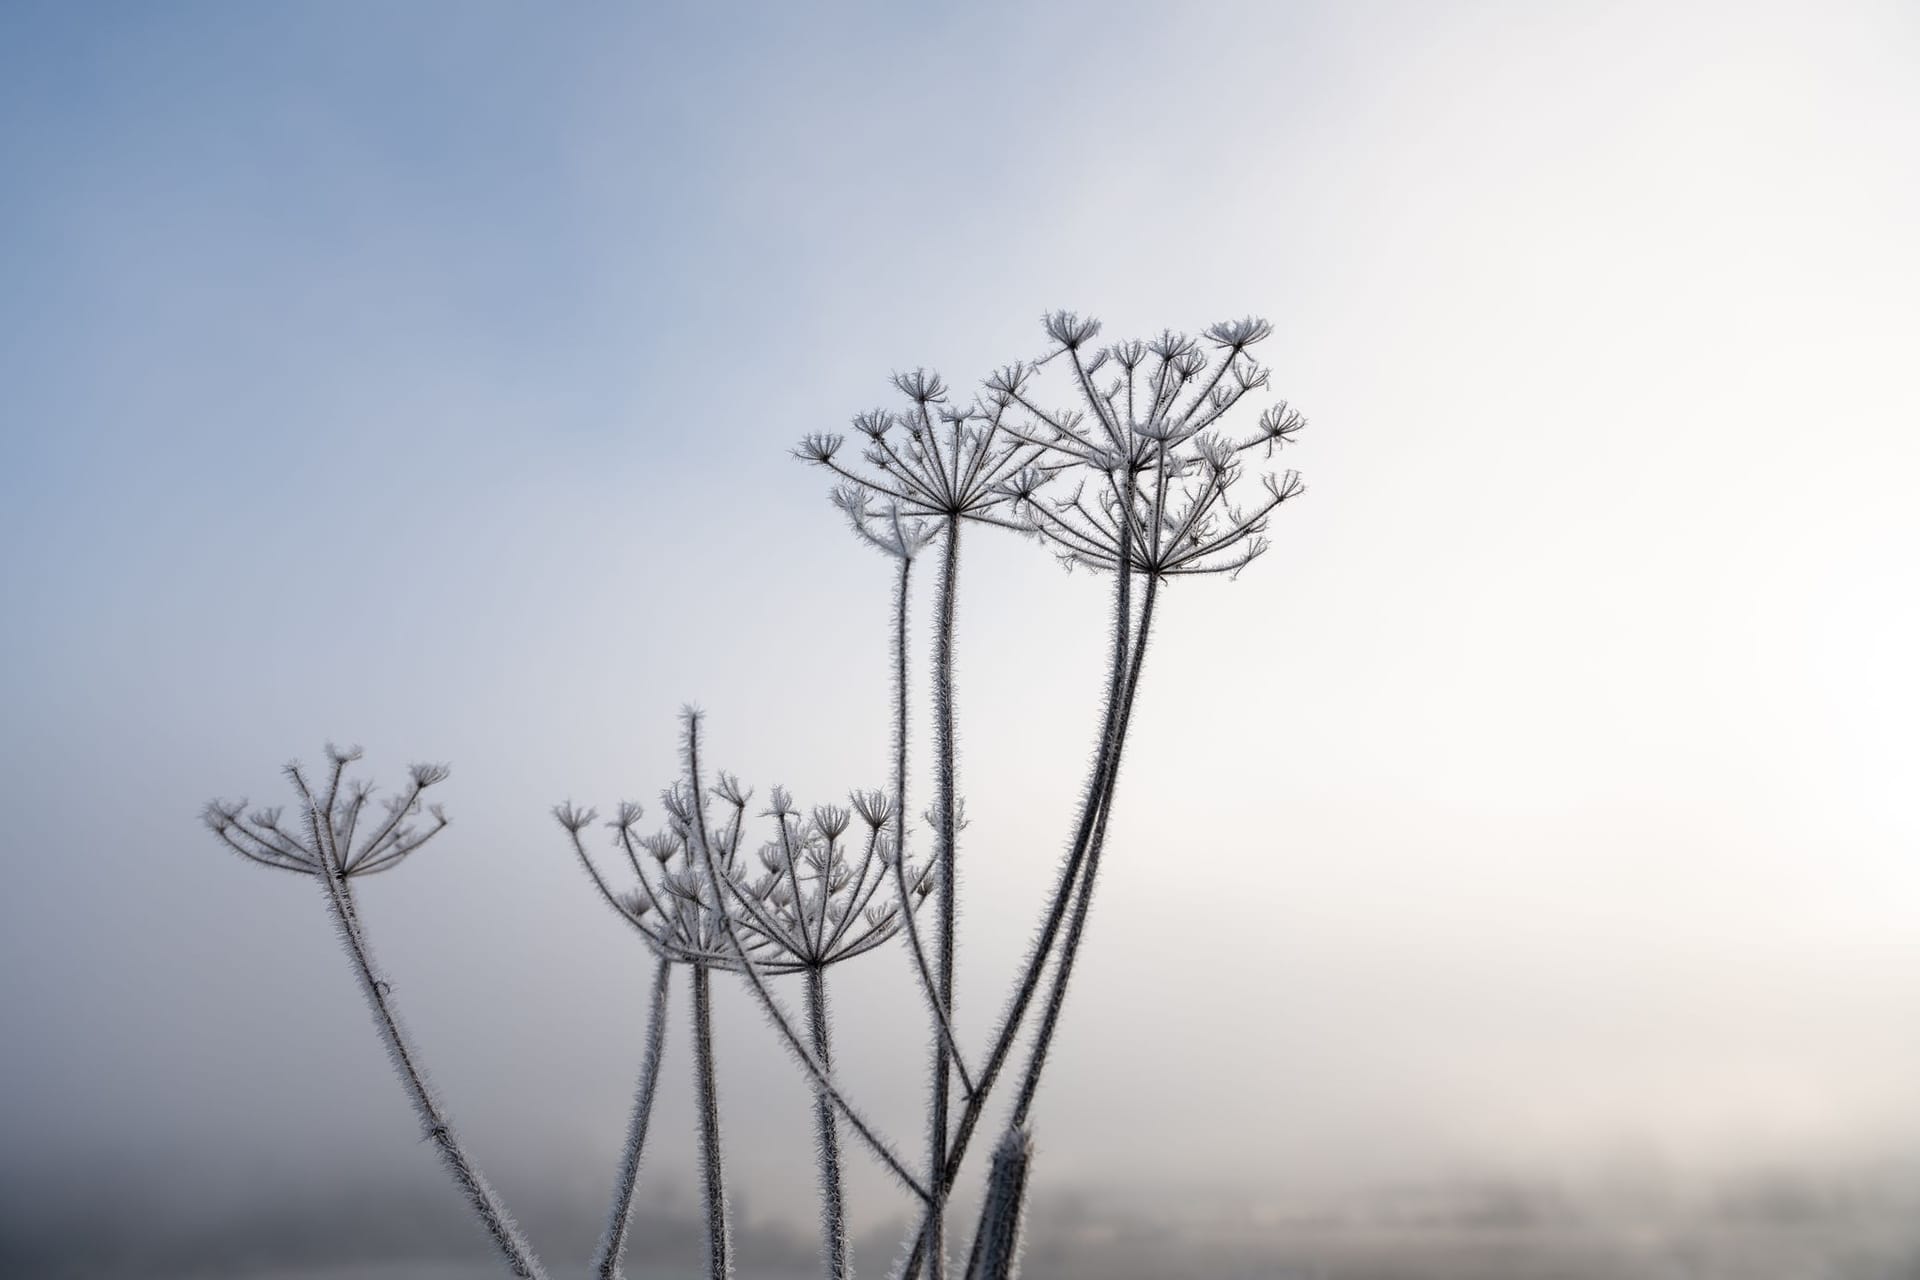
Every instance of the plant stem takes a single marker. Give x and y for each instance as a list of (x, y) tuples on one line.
[(493, 1215), (996, 1246), (946, 822), (1120, 667), (712, 1175), (613, 1244), (833, 1219), (1070, 948), (702, 848), (942, 1026)]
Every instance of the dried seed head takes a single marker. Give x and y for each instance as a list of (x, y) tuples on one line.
[(1281, 423), (1070, 330), (830, 820), (874, 807), (819, 447), (1235, 334), (921, 386), (426, 775), (573, 818), (874, 423), (1009, 380)]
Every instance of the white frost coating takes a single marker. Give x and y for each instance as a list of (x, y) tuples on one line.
[(500, 1226), (613, 1242), (996, 1246)]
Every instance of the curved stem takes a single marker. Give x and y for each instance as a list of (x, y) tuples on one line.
[(1083, 900), (613, 1244), (1091, 806), (757, 981), (712, 1174), (501, 1228), (942, 1023), (833, 1217)]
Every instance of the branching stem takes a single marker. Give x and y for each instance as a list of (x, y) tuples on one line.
[(500, 1226)]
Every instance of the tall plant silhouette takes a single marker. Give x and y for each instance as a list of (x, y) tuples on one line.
[(1136, 480), (948, 464), (815, 903), (667, 910), (341, 836), (1138, 476)]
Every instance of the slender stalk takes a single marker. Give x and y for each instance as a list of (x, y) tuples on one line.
[(996, 1246), (500, 1226), (757, 981), (833, 1217), (1070, 948), (712, 1174), (613, 1244), (946, 821), (943, 1026), (1091, 806)]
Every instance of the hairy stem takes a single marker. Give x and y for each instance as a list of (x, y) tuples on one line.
[(500, 1226), (1070, 947), (1091, 806), (613, 1244), (996, 1246), (943, 1026), (946, 842), (757, 981), (833, 1218), (712, 1174)]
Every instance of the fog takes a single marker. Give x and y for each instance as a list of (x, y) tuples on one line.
[(1535, 816)]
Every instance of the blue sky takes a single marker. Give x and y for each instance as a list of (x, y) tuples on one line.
[(424, 376)]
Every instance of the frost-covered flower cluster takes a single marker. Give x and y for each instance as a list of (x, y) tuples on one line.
[(1135, 459)]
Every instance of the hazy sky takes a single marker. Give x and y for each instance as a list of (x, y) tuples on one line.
[(423, 376)]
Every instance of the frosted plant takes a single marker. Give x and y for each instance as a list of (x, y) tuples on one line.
[(1137, 479), (1162, 481), (996, 1245), (815, 903), (1140, 477), (812, 905), (341, 836), (636, 907), (947, 465), (673, 909)]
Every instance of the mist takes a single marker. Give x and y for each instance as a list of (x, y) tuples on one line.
[(1535, 817)]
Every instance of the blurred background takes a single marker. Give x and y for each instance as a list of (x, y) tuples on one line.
[(1514, 873)]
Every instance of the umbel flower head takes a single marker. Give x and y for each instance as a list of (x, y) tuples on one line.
[(931, 458), (340, 828), (810, 905), (813, 900), (1143, 472)]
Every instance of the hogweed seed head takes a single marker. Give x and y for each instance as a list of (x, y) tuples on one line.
[(329, 835), (1069, 329), (874, 807), (573, 818), (427, 775), (1141, 476)]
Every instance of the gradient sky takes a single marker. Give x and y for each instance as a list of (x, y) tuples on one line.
[(423, 376)]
